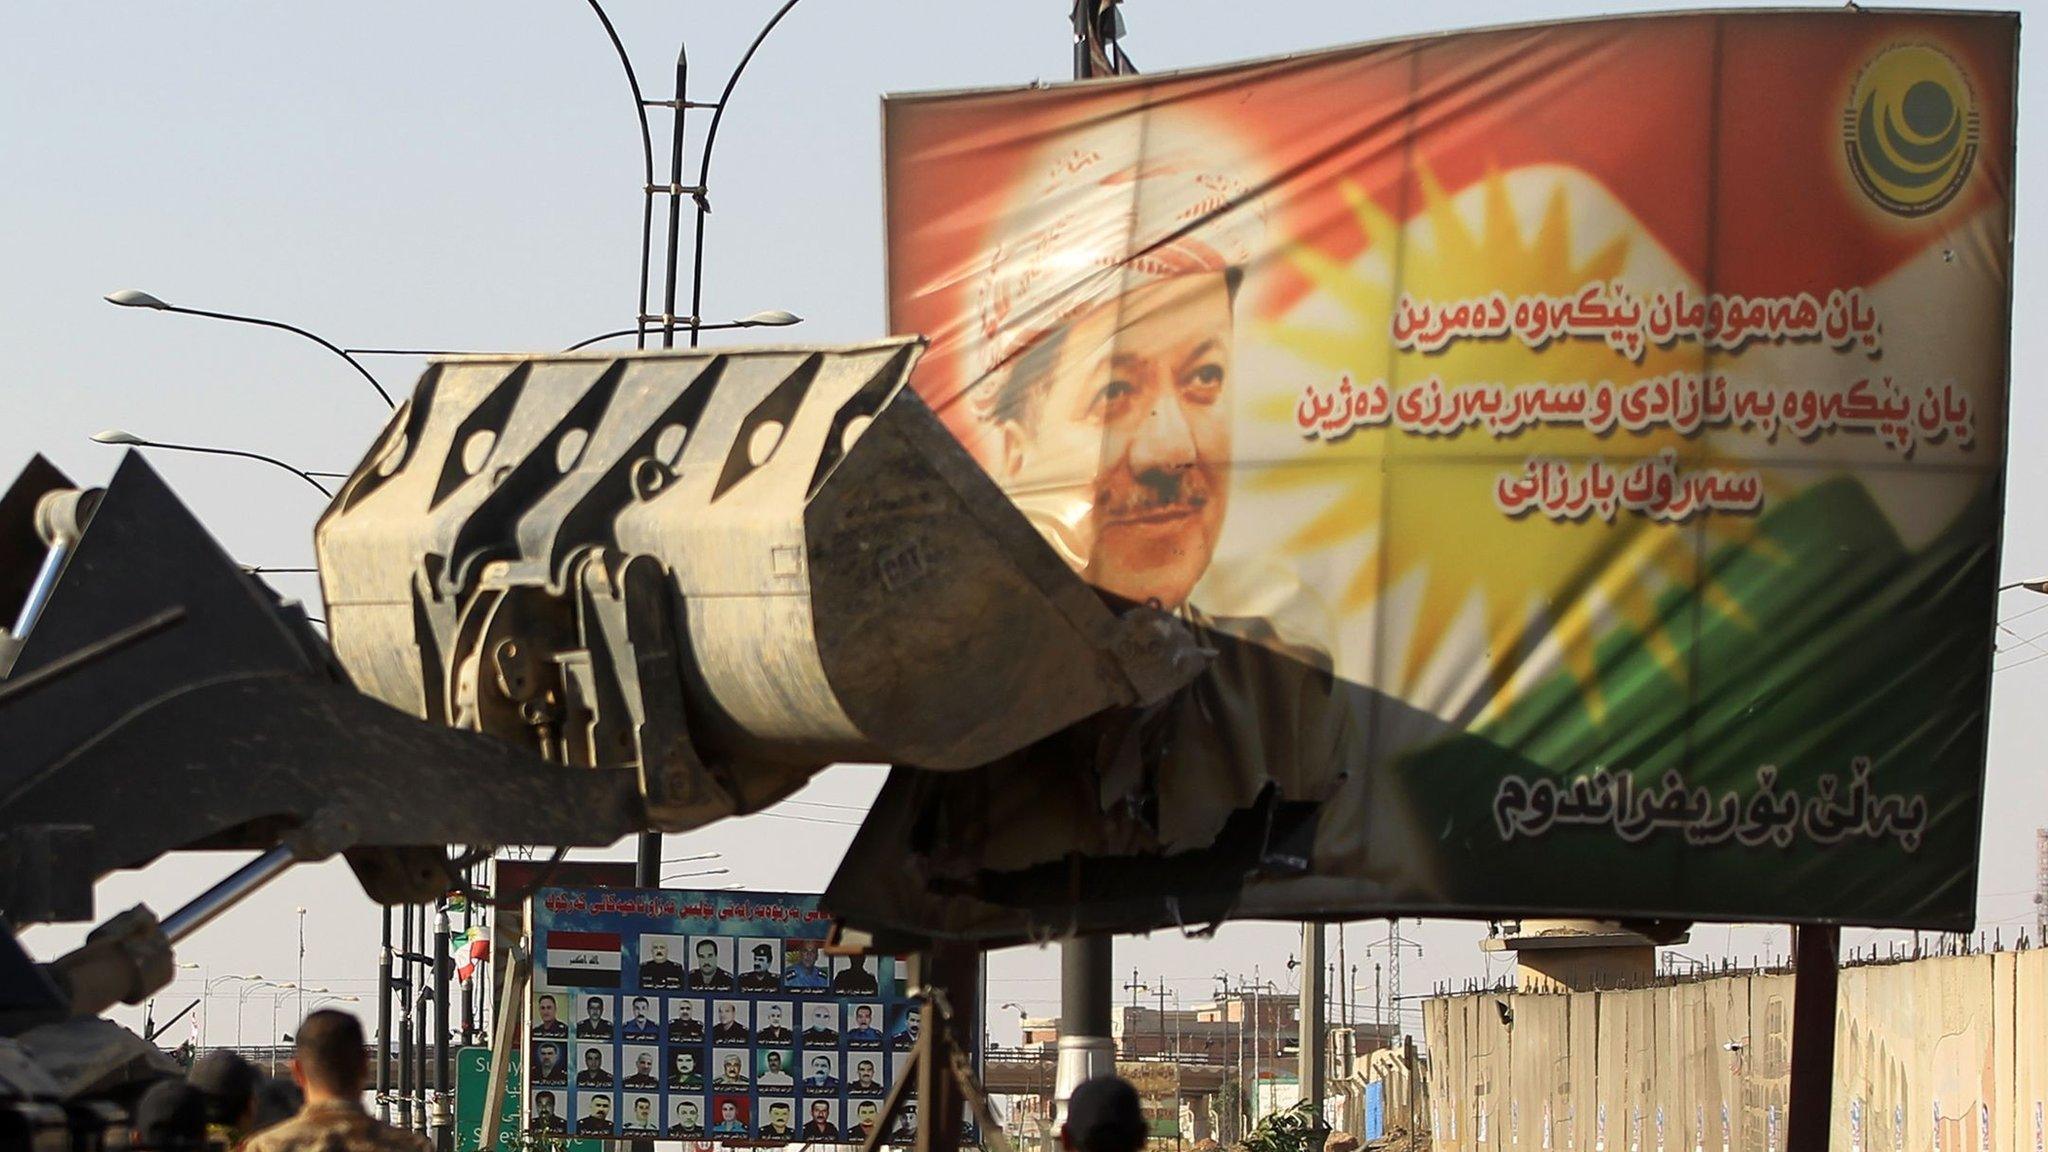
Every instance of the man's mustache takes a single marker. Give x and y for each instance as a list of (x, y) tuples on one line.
[(1156, 490)]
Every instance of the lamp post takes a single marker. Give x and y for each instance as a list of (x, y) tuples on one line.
[(133, 298), (302, 962), (242, 998), (207, 997), (771, 318), (121, 437), (277, 997), (688, 875)]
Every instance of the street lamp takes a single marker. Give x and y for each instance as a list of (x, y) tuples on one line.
[(302, 962), (134, 298), (242, 998), (206, 997), (121, 437), (772, 318), (276, 997), (688, 875)]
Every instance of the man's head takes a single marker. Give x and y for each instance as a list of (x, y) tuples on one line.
[(329, 1060), (863, 1017), (707, 957), (686, 1113), (866, 1112), (544, 1103), (595, 1006), (821, 1066), (775, 1061), (820, 1111), (643, 1111), (639, 1007), (686, 1061), (683, 1010), (807, 954), (601, 1107), (277, 1100), (593, 1059), (778, 1113), (549, 1057), (775, 1015), (725, 1014), (910, 1023), (659, 951), (1103, 1115), (865, 1069), (171, 1117), (1105, 346), (228, 1083), (1119, 420), (545, 1006), (732, 1068), (643, 1064)]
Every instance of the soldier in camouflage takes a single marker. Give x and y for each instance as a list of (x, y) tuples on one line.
[(330, 1065)]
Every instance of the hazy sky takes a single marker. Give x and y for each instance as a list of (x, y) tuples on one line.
[(465, 174)]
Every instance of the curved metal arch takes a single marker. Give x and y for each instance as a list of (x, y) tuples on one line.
[(704, 167)]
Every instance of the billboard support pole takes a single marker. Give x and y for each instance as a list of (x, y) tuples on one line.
[(510, 1000), (1815, 978), (940, 1070), (1086, 1050), (1309, 1039)]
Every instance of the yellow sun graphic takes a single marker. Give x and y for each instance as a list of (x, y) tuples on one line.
[(1545, 594)]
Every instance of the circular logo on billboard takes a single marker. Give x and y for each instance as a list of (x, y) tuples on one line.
[(1910, 129)]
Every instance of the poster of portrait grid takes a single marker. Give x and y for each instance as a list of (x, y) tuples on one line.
[(707, 1016)]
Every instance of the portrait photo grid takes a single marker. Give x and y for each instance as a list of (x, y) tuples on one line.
[(708, 1016)]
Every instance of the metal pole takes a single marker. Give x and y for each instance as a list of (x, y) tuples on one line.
[(1085, 1049), (505, 1043), (384, 1023), (39, 592), (675, 216), (243, 882), (1414, 1080), (443, 1115), (424, 994), (1309, 1031), (1809, 1108), (647, 872), (468, 988), (405, 1019)]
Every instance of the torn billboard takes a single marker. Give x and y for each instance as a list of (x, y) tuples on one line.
[(1582, 445)]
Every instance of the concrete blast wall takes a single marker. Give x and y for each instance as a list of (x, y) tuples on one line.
[(1948, 1054)]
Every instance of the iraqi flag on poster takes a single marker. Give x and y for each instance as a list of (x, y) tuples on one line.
[(583, 959)]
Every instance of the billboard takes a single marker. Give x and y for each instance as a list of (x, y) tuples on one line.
[(707, 1016), (1581, 444)]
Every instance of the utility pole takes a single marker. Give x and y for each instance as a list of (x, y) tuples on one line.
[(1085, 961), (1309, 1032), (1160, 991), (2040, 887)]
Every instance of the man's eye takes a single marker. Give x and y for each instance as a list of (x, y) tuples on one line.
[(1112, 392), (1208, 378)]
